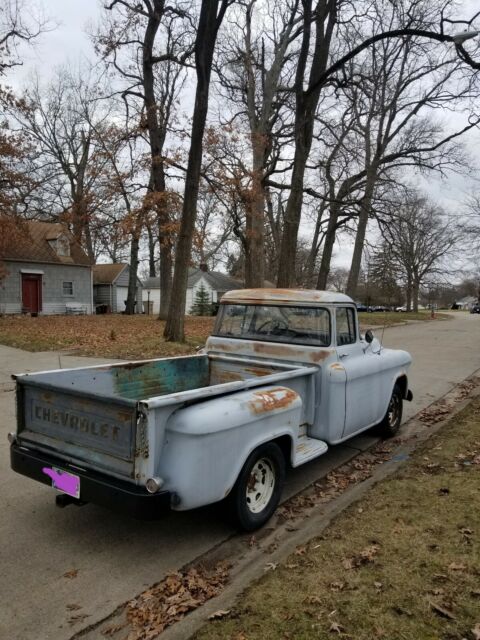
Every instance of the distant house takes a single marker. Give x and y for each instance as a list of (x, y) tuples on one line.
[(47, 272), (466, 303), (110, 288), (214, 282)]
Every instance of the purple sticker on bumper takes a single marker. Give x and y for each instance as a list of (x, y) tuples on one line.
[(63, 481)]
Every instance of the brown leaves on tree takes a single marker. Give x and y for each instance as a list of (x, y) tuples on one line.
[(176, 595)]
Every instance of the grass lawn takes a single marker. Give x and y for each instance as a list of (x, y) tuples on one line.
[(401, 564), (116, 336), (392, 317), (121, 336)]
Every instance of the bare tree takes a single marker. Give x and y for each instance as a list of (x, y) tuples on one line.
[(414, 20), (211, 16), (417, 241)]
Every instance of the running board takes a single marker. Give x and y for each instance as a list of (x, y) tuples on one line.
[(308, 449)]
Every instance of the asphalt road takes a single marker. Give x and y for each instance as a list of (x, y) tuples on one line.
[(113, 558)]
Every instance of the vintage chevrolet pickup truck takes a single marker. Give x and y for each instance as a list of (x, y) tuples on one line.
[(285, 375)]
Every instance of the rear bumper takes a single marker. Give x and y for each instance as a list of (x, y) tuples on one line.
[(96, 488)]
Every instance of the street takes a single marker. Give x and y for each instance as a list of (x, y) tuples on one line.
[(63, 570)]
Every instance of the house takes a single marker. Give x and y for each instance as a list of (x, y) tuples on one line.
[(465, 303), (110, 288), (47, 272), (214, 282)]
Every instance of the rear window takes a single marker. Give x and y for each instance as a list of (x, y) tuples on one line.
[(270, 323)]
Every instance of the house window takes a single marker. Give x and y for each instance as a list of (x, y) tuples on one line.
[(68, 288), (63, 246)]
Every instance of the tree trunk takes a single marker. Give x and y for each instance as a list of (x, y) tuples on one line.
[(151, 253), (415, 291), (363, 217), (157, 140), (305, 107), (206, 37), (255, 223), (132, 278), (328, 243)]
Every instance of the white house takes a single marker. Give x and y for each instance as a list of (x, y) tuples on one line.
[(214, 282), (110, 288)]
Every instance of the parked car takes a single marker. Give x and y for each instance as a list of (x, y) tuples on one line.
[(379, 308), (401, 309), (475, 308), (273, 388), (361, 307)]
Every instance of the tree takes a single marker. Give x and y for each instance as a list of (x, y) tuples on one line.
[(202, 304), (405, 19), (148, 52), (417, 241), (211, 16)]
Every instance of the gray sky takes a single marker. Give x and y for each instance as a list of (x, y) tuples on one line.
[(69, 43)]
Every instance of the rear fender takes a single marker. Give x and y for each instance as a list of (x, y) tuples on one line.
[(207, 444)]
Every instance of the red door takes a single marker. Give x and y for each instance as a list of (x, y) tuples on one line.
[(31, 292)]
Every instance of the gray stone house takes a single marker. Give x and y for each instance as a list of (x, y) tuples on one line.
[(110, 288), (47, 272)]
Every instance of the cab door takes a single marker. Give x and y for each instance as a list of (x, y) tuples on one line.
[(362, 368)]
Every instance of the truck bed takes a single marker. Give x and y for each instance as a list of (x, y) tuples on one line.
[(90, 415)]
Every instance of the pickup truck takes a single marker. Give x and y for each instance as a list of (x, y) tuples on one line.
[(285, 375)]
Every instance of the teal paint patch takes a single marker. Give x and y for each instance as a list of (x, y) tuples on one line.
[(137, 381)]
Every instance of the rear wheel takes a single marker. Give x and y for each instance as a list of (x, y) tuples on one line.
[(258, 488), (391, 422)]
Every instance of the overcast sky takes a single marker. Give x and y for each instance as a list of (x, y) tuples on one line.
[(69, 42)]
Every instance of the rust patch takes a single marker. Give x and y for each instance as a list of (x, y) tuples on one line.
[(227, 376), (258, 371), (271, 349), (338, 366), (133, 365), (266, 401), (318, 356)]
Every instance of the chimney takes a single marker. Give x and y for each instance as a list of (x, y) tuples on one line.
[(204, 267)]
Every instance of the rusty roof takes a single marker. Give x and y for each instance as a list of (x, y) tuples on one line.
[(32, 245), (107, 273), (284, 296)]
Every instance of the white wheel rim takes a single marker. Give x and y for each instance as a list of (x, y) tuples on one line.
[(260, 485)]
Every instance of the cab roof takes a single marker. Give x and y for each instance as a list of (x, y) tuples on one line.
[(303, 297)]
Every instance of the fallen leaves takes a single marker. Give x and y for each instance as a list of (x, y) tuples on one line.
[(73, 573), (177, 594), (109, 335), (442, 611), (366, 556), (218, 615)]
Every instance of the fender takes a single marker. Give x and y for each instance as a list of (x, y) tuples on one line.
[(207, 444)]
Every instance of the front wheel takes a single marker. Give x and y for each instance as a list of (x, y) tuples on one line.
[(258, 488), (390, 424)]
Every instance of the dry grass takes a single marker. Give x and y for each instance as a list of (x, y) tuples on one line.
[(121, 336), (116, 336), (391, 317), (402, 564)]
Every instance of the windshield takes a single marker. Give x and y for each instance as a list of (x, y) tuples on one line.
[(300, 325)]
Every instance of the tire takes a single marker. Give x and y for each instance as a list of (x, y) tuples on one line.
[(389, 426), (258, 488)]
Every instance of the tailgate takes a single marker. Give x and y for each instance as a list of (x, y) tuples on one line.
[(77, 426)]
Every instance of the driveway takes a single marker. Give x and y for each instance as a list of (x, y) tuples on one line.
[(63, 570)]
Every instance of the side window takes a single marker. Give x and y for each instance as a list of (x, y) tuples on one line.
[(345, 326)]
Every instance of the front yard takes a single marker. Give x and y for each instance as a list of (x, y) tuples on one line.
[(135, 337), (115, 336)]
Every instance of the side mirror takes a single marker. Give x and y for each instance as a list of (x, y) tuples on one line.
[(369, 336)]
